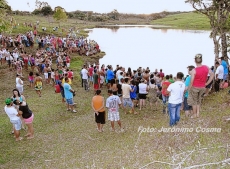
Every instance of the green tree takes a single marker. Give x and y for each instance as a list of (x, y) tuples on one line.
[(60, 15), (218, 12), (46, 10), (5, 21)]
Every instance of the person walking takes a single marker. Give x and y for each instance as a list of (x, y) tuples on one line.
[(99, 110), (113, 103), (176, 93), (197, 84)]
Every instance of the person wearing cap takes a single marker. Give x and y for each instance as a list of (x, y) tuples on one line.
[(197, 84), (99, 110), (113, 103), (13, 114)]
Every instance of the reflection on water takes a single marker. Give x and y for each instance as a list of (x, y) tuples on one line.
[(169, 49)]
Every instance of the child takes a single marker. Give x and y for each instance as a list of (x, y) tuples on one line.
[(31, 79)]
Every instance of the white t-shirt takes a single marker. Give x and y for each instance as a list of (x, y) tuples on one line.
[(84, 73), (126, 90), (176, 90), (17, 82), (15, 55), (112, 103), (118, 73), (12, 113), (142, 88), (220, 72)]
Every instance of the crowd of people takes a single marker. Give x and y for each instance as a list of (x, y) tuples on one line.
[(133, 88), (129, 90), (49, 64)]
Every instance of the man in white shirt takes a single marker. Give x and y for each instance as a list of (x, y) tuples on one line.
[(176, 91), (219, 75), (85, 73)]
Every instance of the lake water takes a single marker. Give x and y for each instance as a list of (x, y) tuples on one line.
[(168, 49)]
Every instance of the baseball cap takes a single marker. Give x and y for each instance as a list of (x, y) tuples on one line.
[(198, 56), (8, 101)]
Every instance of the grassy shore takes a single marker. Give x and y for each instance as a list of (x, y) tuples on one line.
[(189, 20), (67, 140)]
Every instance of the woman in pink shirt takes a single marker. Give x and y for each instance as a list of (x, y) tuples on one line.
[(197, 85)]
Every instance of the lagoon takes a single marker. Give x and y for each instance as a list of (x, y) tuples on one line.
[(157, 48)]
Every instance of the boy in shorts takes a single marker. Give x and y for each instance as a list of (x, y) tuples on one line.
[(113, 103)]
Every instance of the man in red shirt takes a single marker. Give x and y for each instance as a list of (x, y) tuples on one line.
[(162, 75), (165, 94)]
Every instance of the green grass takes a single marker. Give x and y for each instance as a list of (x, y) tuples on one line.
[(190, 20), (67, 140)]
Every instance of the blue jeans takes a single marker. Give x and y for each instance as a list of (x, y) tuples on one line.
[(165, 99), (174, 113)]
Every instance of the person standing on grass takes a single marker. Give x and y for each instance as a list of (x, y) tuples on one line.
[(68, 92), (91, 69), (38, 84), (164, 92), (13, 114), (19, 84), (143, 91), (27, 116), (95, 79), (219, 75), (187, 108), (126, 89), (85, 73), (109, 75), (176, 93), (113, 103), (99, 110), (197, 85)]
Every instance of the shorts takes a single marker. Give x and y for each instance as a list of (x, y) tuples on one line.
[(142, 96), (133, 98), (29, 120), (100, 118), (108, 81), (127, 101), (194, 97), (17, 124), (90, 78), (113, 116), (46, 75), (69, 101), (49, 74), (68, 64), (96, 86), (119, 95), (186, 106), (31, 81)]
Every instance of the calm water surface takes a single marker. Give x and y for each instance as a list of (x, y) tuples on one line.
[(169, 49)]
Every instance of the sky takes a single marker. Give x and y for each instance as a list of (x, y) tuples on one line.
[(105, 6)]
